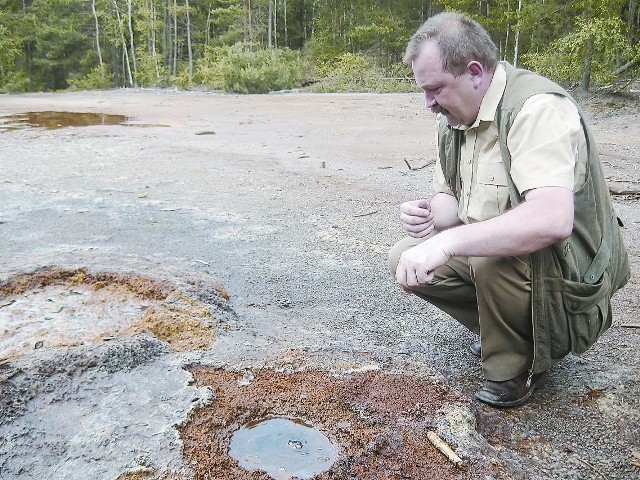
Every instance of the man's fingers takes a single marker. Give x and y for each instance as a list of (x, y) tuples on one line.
[(414, 211), (424, 278), (419, 231), (415, 219)]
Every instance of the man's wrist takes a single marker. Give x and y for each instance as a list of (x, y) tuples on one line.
[(447, 241)]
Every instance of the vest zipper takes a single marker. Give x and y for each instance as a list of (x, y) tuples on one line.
[(533, 322)]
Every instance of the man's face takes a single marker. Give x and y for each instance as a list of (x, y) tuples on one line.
[(457, 98)]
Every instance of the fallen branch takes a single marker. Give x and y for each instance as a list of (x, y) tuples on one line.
[(6, 304), (418, 168), (624, 191), (592, 467), (446, 450), (365, 214), (631, 325), (623, 181)]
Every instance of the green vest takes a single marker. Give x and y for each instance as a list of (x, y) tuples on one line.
[(573, 280)]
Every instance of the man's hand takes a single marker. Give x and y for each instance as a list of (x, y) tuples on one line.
[(417, 264), (417, 218)]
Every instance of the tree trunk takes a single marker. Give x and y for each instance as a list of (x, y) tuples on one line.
[(270, 24), (588, 60), (175, 37), (153, 46), (125, 50), (249, 30), (275, 23), (166, 34), (98, 50), (133, 48), (207, 40), (190, 50), (588, 55), (28, 51), (516, 47)]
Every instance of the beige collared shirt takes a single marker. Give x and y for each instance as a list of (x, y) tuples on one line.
[(547, 146)]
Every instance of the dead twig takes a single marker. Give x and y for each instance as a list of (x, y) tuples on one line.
[(630, 325), (592, 468), (365, 214), (418, 168), (446, 450), (6, 304), (624, 181), (624, 191)]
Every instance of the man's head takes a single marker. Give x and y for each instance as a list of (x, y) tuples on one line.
[(453, 59)]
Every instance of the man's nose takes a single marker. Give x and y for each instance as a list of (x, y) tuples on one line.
[(429, 100)]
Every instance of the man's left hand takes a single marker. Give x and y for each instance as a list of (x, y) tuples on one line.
[(417, 264)]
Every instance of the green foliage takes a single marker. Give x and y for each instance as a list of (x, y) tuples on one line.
[(356, 73), (353, 46), (150, 72), (99, 78), (241, 68), (8, 50), (563, 60), (227, 22), (15, 82)]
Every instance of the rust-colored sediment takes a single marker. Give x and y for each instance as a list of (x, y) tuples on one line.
[(180, 321), (172, 316), (379, 421)]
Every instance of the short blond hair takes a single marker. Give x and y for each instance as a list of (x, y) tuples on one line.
[(460, 39)]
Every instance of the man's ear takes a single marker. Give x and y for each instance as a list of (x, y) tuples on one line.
[(476, 70)]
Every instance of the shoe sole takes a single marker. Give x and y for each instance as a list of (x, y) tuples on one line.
[(514, 403)]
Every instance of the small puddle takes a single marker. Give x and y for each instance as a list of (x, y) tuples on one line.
[(283, 448), (51, 120)]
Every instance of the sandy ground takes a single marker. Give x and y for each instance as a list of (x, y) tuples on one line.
[(259, 225)]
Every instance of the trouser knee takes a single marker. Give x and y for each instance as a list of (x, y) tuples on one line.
[(397, 250)]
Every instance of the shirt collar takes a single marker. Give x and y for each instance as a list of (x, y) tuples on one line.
[(491, 99)]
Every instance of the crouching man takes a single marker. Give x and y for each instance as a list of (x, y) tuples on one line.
[(520, 243)]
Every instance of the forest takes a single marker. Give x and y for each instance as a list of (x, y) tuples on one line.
[(257, 46)]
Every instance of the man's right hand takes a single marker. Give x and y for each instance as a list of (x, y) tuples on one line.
[(417, 218)]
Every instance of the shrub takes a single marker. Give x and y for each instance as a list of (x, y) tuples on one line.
[(242, 69), (14, 82), (99, 77), (351, 72)]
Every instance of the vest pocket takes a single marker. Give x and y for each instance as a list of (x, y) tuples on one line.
[(588, 311)]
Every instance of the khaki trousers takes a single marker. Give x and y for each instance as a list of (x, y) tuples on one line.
[(491, 296)]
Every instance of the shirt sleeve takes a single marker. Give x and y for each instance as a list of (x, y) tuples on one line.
[(544, 143)]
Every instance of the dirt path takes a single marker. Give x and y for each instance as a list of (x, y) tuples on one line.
[(214, 239)]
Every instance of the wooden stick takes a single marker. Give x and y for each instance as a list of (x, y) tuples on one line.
[(418, 168), (592, 468), (446, 450), (630, 325), (373, 212)]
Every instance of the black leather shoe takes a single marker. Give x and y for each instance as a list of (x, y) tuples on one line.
[(510, 393), (476, 348)]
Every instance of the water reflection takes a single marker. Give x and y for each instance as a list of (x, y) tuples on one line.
[(51, 120), (283, 448)]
